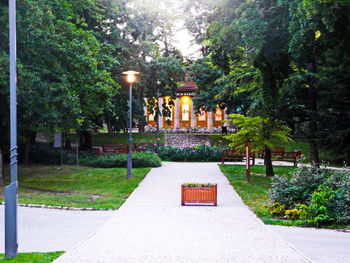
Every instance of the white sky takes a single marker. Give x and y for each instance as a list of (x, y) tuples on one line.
[(185, 45)]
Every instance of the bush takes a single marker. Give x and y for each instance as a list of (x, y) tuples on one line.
[(201, 153), (314, 198), (145, 159), (43, 154), (319, 212), (298, 189), (293, 214), (340, 203), (276, 209)]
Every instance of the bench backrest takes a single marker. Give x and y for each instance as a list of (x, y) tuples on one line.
[(115, 146), (296, 155), (233, 152)]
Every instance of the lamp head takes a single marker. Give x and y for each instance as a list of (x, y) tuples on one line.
[(130, 76)]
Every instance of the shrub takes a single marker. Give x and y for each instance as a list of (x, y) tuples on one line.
[(293, 214), (201, 153), (319, 212), (43, 154), (298, 189), (145, 159), (340, 203), (276, 209), (315, 198)]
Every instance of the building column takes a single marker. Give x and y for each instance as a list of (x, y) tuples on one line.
[(210, 120), (145, 111), (160, 118), (193, 117), (177, 113)]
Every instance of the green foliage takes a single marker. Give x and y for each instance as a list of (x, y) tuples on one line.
[(298, 188), (320, 198), (43, 154), (340, 203), (293, 214), (139, 160), (201, 153), (261, 132), (318, 212), (276, 209)]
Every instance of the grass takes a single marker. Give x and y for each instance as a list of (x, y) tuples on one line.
[(74, 186), (255, 195), (32, 257)]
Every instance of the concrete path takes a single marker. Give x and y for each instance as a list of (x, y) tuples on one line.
[(321, 245), (47, 230), (151, 226)]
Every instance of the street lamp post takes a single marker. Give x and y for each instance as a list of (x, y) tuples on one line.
[(11, 191), (131, 79)]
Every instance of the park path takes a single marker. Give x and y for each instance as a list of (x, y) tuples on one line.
[(152, 226)]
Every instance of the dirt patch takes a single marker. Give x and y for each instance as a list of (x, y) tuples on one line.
[(93, 197), (257, 174)]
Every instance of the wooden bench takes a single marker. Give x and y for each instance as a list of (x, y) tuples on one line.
[(279, 154), (235, 155), (293, 157), (96, 150), (116, 148)]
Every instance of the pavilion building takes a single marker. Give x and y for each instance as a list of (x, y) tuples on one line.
[(183, 114)]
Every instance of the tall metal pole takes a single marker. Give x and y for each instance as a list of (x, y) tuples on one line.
[(129, 173), (11, 191)]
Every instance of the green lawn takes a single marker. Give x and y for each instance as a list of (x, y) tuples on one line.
[(32, 257), (255, 194), (77, 186)]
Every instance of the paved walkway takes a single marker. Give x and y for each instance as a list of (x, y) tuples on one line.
[(321, 245), (152, 226), (47, 230)]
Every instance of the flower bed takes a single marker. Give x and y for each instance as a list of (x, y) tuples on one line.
[(151, 129)]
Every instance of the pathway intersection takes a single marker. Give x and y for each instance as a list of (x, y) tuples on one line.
[(152, 226)]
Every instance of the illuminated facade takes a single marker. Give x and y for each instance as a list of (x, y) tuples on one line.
[(183, 114)]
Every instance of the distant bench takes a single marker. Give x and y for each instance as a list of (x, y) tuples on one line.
[(234, 155), (118, 148), (115, 148), (277, 154)]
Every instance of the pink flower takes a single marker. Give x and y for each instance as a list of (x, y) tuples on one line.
[(158, 139), (193, 151)]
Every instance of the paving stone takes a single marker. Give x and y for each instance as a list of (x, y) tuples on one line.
[(152, 226)]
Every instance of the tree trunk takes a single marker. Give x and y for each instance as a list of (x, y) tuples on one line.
[(27, 150), (77, 149), (314, 157), (313, 117), (67, 142), (33, 138), (110, 128), (85, 140), (141, 124), (2, 174), (268, 162)]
